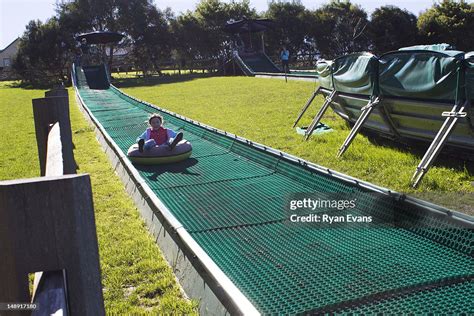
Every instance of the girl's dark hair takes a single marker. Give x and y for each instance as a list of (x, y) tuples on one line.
[(155, 115)]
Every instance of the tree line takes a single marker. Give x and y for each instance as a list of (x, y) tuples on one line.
[(156, 35)]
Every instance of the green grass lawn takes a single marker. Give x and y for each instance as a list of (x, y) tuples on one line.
[(136, 278), (263, 110)]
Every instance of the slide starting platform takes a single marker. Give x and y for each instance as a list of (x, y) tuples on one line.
[(260, 65), (252, 230)]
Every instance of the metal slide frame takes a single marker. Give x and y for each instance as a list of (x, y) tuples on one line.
[(438, 142), (452, 117), (365, 113), (308, 103), (328, 100)]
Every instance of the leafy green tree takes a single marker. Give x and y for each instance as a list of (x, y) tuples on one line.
[(148, 33), (449, 22), (130, 17), (212, 15), (43, 57), (339, 28), (291, 26), (199, 34), (391, 28), (187, 31), (80, 16)]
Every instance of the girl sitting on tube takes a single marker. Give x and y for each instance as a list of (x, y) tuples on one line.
[(157, 135)]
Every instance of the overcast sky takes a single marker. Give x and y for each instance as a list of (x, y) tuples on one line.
[(15, 14)]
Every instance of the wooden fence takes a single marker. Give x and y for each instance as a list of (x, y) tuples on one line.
[(299, 62), (47, 225), (192, 66)]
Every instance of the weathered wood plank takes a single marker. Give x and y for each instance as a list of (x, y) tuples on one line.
[(51, 294), (49, 111), (48, 224), (45, 283), (54, 155)]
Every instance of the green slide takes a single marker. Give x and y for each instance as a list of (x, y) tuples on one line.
[(260, 63), (234, 198)]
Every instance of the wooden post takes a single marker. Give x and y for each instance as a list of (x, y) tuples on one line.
[(54, 157), (48, 111), (48, 224)]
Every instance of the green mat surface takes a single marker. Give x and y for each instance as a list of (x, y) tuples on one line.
[(259, 63), (232, 199), (292, 73), (303, 73)]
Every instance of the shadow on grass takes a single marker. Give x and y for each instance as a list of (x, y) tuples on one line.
[(450, 157), (31, 86), (179, 167), (155, 80), (45, 83)]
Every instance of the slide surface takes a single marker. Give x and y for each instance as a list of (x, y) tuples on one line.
[(235, 201)]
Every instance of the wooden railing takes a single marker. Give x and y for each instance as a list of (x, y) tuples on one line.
[(47, 225), (193, 66), (299, 62)]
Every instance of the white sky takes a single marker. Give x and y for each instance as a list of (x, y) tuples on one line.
[(15, 14)]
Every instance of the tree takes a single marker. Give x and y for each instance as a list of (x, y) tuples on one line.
[(48, 48), (391, 28), (43, 56), (90, 15), (340, 27), (212, 15), (187, 31), (148, 32), (199, 35), (448, 22), (291, 20), (78, 16)]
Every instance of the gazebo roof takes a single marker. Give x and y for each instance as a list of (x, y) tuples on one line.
[(248, 25), (100, 37)]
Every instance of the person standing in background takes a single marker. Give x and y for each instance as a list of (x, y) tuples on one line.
[(85, 60), (284, 57)]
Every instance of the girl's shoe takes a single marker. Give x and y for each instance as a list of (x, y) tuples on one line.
[(176, 140), (141, 143)]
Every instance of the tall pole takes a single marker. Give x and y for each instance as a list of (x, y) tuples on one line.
[(250, 37)]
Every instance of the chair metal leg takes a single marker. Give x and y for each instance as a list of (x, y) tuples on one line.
[(366, 110), (320, 114), (438, 143), (308, 103)]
